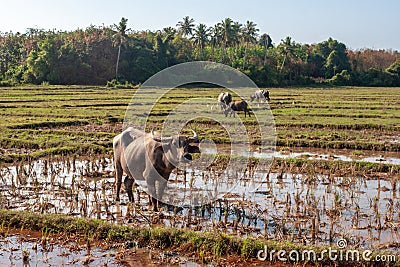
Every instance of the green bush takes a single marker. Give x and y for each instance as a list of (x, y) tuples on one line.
[(342, 78), (8, 83), (115, 84)]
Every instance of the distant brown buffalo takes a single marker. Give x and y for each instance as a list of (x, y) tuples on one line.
[(151, 158), (239, 105)]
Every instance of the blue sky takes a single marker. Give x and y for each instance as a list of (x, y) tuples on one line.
[(358, 24)]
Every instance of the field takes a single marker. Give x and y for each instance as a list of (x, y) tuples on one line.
[(335, 175)]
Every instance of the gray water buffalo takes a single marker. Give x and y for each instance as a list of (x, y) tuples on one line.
[(260, 95), (151, 158), (239, 105), (224, 99)]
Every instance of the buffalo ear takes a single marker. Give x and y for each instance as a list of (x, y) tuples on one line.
[(193, 149)]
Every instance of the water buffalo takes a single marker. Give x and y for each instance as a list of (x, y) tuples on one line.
[(260, 95), (239, 105), (151, 158), (224, 99)]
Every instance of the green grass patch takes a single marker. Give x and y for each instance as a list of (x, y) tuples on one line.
[(342, 117), (210, 244)]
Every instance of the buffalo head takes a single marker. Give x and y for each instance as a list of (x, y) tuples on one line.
[(266, 94), (177, 148)]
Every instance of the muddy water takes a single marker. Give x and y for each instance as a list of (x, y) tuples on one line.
[(383, 157), (18, 250), (306, 207), (29, 248)]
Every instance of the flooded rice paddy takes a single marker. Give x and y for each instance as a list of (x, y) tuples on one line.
[(383, 157), (300, 205), (29, 249)]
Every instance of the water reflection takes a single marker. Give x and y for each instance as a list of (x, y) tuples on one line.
[(302, 206)]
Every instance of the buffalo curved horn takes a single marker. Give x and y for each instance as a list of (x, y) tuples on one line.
[(195, 137), (160, 139), (154, 137)]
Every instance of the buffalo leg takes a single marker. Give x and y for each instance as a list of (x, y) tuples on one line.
[(118, 177), (151, 188), (128, 187), (153, 203), (161, 187), (161, 184)]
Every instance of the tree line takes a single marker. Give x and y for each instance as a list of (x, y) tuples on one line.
[(115, 54)]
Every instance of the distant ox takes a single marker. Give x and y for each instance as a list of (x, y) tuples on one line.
[(260, 95), (224, 99), (151, 158), (239, 105)]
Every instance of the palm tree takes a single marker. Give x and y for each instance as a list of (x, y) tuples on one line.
[(120, 37), (249, 36), (226, 32), (236, 32), (200, 37), (266, 41), (286, 48), (169, 31), (161, 46), (186, 26), (216, 38)]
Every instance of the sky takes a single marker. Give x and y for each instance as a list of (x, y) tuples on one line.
[(357, 23)]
